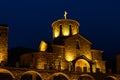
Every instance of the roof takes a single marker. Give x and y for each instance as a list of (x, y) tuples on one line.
[(59, 21), (81, 37), (94, 50), (60, 40)]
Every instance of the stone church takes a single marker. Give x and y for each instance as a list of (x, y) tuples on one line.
[(68, 57)]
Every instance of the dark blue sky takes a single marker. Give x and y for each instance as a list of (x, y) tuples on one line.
[(30, 21)]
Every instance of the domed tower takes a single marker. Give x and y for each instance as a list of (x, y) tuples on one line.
[(3, 43), (65, 27)]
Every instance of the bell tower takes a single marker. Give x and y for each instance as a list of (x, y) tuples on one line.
[(3, 43), (65, 27)]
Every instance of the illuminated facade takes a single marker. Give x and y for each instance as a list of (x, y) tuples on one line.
[(3, 44), (68, 57)]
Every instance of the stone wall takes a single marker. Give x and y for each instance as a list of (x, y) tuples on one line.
[(18, 73), (72, 51), (3, 43)]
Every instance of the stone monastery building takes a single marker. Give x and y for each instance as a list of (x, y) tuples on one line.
[(68, 57)]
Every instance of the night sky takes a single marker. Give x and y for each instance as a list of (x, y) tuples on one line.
[(30, 21)]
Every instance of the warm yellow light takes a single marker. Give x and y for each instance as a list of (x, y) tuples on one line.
[(43, 46), (94, 68), (56, 31), (87, 53), (74, 31), (65, 30), (81, 64), (56, 34), (6, 71), (40, 66), (63, 65), (1, 57), (66, 33), (69, 56), (40, 63)]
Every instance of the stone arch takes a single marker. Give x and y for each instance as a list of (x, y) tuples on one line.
[(86, 75), (111, 77), (7, 71), (57, 74), (82, 65), (32, 72), (86, 60)]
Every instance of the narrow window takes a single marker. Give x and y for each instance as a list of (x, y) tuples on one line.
[(60, 30), (70, 26), (77, 45)]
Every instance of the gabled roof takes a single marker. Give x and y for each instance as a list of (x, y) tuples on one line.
[(77, 36)]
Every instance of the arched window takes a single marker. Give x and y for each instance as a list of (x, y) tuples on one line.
[(82, 65)]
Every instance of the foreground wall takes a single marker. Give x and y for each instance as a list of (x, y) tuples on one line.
[(33, 74)]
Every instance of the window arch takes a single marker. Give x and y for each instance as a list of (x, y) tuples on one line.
[(82, 65), (60, 75), (29, 75), (85, 77), (110, 78), (6, 74)]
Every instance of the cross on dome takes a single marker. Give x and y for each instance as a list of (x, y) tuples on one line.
[(65, 15)]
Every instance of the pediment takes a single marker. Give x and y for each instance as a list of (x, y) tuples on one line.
[(83, 57), (78, 37)]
